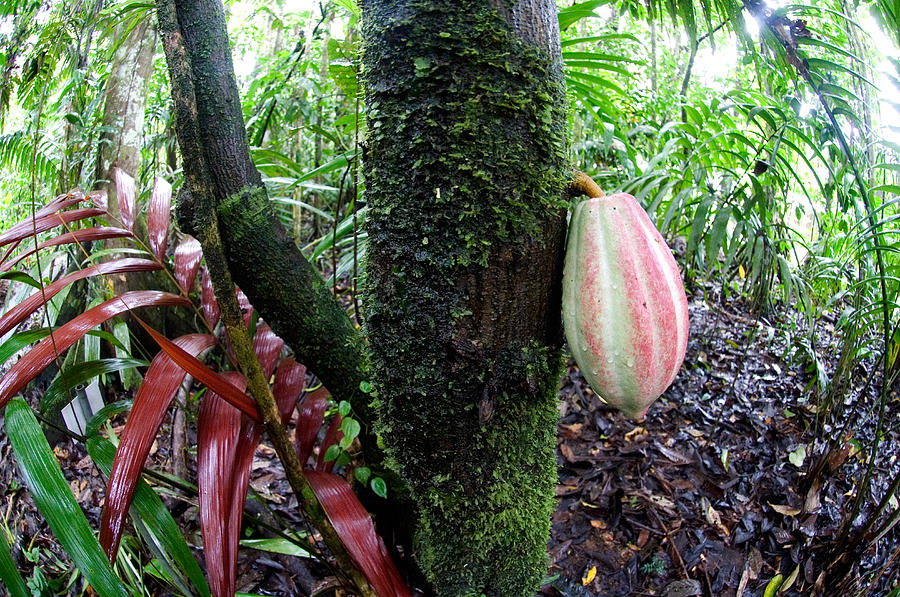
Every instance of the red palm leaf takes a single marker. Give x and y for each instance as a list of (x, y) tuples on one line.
[(290, 378), (20, 312), (267, 347), (218, 431), (289, 382), (208, 300), (187, 261), (99, 198), (355, 528), (332, 436), (204, 374), (75, 236), (161, 382), (309, 421), (43, 224), (37, 359), (246, 307), (59, 203), (158, 217), (248, 439), (125, 197)]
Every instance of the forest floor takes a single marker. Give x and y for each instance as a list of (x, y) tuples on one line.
[(706, 496)]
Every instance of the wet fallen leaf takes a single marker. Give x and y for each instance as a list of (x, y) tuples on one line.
[(643, 536), (812, 502), (683, 588), (798, 456), (745, 578), (589, 576), (635, 433), (562, 490), (696, 433), (664, 503), (789, 581), (785, 510)]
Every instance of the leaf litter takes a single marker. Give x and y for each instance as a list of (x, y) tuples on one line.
[(707, 494)]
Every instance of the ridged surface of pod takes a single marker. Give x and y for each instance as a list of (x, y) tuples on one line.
[(624, 307)]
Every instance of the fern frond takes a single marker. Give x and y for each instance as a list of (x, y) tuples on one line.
[(18, 154)]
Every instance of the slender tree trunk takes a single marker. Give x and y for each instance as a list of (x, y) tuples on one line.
[(464, 168), (653, 61), (282, 285), (125, 100), (317, 195), (868, 104), (70, 172), (686, 81)]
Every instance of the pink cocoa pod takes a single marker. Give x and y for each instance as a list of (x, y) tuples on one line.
[(624, 307)]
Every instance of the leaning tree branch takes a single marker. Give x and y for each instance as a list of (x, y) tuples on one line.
[(201, 182), (262, 258)]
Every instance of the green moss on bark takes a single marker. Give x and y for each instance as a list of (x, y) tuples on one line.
[(464, 168), (267, 266), (492, 539)]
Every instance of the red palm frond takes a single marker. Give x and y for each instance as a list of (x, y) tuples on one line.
[(208, 300), (45, 223), (99, 198), (187, 261), (59, 203), (332, 436), (309, 421), (161, 382), (290, 378), (204, 374), (39, 357), (267, 347), (20, 312), (246, 307), (74, 236), (218, 431), (125, 197), (158, 217), (355, 528)]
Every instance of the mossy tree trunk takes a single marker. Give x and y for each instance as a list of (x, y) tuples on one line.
[(465, 166)]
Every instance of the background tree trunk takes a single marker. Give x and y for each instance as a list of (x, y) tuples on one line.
[(124, 106), (125, 99), (464, 168)]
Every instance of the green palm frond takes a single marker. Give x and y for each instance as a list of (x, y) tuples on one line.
[(18, 153)]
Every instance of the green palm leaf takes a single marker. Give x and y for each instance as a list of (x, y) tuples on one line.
[(55, 501)]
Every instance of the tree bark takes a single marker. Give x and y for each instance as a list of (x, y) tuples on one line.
[(465, 166), (124, 107), (653, 63), (125, 100)]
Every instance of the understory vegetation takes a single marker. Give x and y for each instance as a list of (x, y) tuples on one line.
[(762, 138)]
